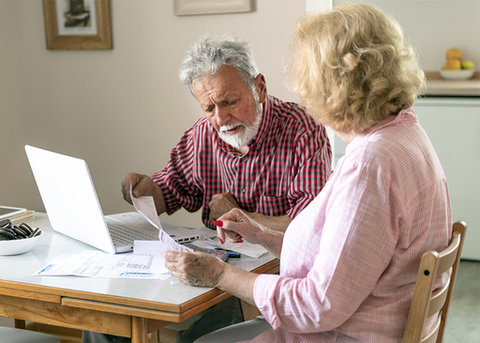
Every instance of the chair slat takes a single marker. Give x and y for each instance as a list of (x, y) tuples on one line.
[(426, 301), (431, 336), (438, 299)]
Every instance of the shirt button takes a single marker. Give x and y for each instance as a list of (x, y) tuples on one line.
[(243, 190)]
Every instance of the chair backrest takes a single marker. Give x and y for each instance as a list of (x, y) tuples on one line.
[(428, 301)]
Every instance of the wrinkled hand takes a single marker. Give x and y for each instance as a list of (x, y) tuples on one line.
[(238, 224), (195, 269), (221, 204), (142, 185)]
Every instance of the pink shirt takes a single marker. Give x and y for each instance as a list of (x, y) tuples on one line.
[(349, 260)]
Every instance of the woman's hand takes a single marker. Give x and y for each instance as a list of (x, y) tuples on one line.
[(201, 269), (196, 269), (237, 225)]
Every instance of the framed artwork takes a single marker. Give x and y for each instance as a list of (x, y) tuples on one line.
[(77, 24), (194, 7)]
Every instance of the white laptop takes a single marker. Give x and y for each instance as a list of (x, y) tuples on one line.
[(73, 208)]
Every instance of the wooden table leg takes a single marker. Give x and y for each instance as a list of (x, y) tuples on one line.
[(139, 330)]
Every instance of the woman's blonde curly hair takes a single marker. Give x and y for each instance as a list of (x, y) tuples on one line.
[(352, 68)]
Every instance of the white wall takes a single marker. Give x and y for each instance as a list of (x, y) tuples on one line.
[(14, 178), (123, 109), (434, 26)]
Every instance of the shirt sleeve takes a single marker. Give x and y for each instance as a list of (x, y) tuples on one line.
[(314, 154), (349, 254), (176, 179)]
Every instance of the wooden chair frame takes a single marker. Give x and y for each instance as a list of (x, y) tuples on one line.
[(427, 301)]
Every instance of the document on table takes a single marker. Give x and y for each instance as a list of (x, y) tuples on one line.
[(100, 264)]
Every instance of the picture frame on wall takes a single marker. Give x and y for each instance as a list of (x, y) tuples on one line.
[(197, 7), (77, 24)]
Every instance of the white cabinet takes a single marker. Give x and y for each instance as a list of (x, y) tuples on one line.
[(453, 125)]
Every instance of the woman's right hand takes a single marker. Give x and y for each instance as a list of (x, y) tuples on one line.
[(237, 225)]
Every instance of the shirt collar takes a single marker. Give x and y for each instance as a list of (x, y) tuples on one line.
[(403, 116)]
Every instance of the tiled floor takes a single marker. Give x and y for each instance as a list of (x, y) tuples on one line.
[(463, 321)]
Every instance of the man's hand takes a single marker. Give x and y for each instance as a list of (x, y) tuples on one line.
[(196, 269), (221, 204), (143, 185)]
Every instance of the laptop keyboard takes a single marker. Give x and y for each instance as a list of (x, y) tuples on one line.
[(122, 235)]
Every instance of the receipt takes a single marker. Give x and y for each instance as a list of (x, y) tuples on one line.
[(145, 205)]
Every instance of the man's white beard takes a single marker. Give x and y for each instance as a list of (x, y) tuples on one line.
[(239, 140)]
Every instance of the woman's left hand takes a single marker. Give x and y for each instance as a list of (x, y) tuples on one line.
[(194, 268)]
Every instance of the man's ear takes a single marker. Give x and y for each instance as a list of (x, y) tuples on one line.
[(261, 87)]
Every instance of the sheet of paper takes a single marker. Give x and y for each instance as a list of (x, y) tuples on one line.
[(148, 247), (99, 264), (145, 205)]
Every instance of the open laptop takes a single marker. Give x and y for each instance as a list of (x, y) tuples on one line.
[(73, 208)]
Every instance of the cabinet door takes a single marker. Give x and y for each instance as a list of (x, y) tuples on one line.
[(454, 129)]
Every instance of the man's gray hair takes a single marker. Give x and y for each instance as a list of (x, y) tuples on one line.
[(209, 54)]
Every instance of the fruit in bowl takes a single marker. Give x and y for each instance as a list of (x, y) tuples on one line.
[(454, 53), (453, 64), (467, 64), (456, 69)]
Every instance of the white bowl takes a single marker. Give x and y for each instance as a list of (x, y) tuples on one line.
[(461, 74), (18, 246)]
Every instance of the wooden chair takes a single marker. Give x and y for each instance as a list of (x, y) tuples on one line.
[(427, 301)]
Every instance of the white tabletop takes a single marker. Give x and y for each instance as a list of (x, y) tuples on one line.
[(20, 268)]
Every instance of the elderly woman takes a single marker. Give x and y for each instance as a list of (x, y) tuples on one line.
[(349, 260)]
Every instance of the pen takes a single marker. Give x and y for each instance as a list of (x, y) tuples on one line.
[(234, 254)]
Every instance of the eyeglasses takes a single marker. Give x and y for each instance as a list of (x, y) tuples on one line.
[(8, 231)]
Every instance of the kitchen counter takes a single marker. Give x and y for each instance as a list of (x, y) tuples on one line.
[(437, 86)]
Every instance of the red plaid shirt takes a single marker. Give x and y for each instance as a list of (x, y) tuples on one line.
[(286, 167)]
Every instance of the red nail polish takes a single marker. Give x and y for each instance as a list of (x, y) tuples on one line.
[(239, 241), (218, 223)]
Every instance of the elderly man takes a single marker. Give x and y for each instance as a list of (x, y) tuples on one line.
[(250, 150)]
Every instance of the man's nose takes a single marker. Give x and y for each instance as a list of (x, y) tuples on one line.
[(222, 116)]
